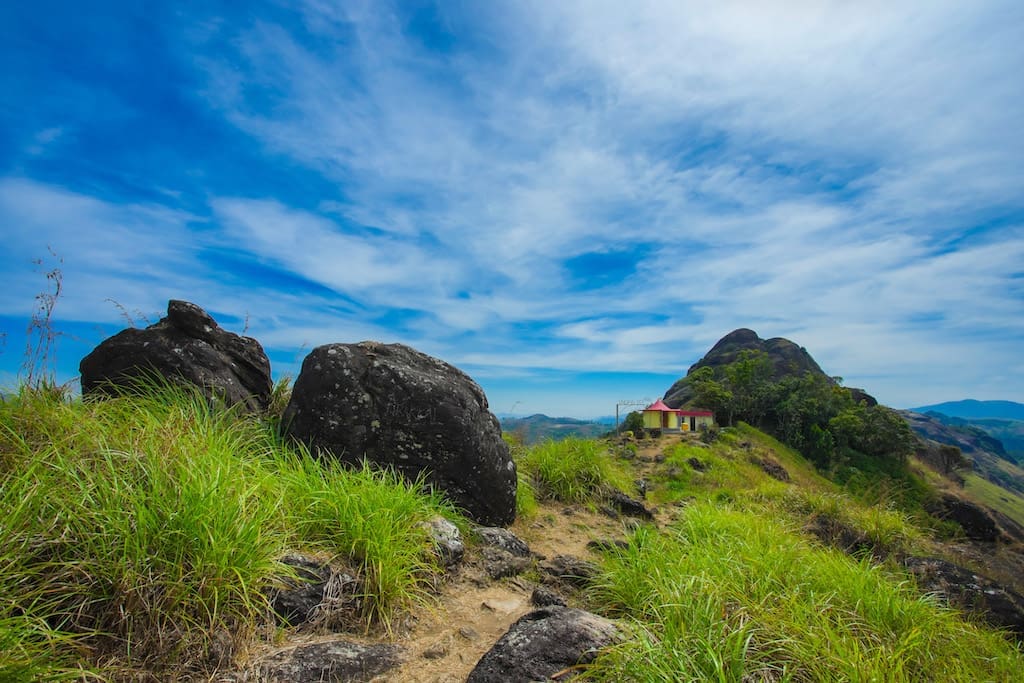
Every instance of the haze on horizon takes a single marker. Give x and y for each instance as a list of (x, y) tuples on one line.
[(571, 201)]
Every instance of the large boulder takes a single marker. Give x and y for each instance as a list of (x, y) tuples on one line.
[(186, 347), (395, 406), (545, 642)]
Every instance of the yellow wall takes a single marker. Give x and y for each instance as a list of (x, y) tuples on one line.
[(652, 419)]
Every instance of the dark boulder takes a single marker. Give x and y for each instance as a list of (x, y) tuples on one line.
[(398, 407), (994, 604), (330, 662), (545, 642), (186, 347), (975, 520), (503, 539)]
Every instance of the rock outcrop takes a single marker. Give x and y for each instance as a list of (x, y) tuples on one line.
[(186, 347), (398, 407), (545, 642), (994, 604), (786, 357)]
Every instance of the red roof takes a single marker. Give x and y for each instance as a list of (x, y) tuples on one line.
[(660, 407)]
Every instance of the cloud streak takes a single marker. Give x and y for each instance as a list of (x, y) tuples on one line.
[(585, 187)]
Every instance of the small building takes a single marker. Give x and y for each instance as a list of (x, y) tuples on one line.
[(660, 416)]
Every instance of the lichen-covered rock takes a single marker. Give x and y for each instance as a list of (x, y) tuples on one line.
[(330, 662), (544, 642), (995, 604), (496, 537), (398, 407), (447, 541), (185, 347)]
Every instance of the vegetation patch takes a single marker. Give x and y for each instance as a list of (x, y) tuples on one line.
[(572, 470), (733, 595), (147, 528)]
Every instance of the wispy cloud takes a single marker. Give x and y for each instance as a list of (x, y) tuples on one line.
[(582, 187)]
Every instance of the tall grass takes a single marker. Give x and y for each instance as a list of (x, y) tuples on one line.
[(370, 517), (731, 596), (143, 521), (149, 527), (572, 470)]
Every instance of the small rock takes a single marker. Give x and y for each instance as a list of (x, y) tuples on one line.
[(544, 597), (500, 563), (628, 506), (697, 465), (570, 570), (438, 650), (447, 541), (496, 537), (543, 643), (469, 633), (333, 662)]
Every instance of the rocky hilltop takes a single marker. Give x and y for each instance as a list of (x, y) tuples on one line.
[(787, 359)]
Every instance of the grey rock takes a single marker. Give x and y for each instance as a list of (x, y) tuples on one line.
[(331, 662), (401, 408), (570, 570), (496, 537), (545, 597), (543, 643), (500, 563), (994, 604), (447, 541), (316, 594), (186, 347)]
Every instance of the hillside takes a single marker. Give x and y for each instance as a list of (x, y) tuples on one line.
[(741, 549), (537, 428), (1009, 434)]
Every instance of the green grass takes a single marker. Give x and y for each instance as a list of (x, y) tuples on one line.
[(572, 470), (148, 525), (730, 594), (996, 497)]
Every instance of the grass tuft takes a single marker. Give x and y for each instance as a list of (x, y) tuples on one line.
[(572, 470)]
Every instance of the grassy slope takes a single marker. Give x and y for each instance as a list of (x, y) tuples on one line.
[(146, 528), (736, 590), (135, 529), (985, 492)]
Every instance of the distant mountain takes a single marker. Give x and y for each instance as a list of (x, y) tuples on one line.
[(987, 453), (972, 409), (540, 427), (787, 359), (1009, 433)]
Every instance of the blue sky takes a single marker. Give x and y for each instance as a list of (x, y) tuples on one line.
[(572, 201)]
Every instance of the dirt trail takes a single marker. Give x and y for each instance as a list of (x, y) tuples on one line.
[(473, 612), (445, 640)]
